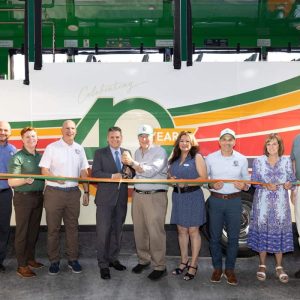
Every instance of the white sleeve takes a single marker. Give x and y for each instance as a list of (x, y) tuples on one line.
[(84, 162), (46, 158)]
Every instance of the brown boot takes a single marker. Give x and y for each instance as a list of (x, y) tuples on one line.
[(230, 276), (35, 264), (25, 272), (216, 275)]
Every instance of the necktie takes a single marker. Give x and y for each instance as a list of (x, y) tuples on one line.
[(118, 162)]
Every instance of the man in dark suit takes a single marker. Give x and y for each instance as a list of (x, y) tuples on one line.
[(111, 200)]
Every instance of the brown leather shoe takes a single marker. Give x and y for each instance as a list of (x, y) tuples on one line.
[(35, 264), (25, 272), (216, 275), (230, 276)]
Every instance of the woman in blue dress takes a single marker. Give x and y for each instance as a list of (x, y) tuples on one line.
[(188, 210), (270, 229)]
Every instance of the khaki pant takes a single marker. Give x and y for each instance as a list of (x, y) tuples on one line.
[(62, 205), (148, 215), (28, 209)]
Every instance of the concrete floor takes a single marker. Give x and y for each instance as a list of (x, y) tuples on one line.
[(126, 285)]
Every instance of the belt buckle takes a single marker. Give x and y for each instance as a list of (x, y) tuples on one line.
[(226, 197), (185, 189)]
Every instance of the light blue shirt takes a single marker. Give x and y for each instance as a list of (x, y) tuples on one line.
[(154, 163), (227, 167), (6, 152), (113, 152)]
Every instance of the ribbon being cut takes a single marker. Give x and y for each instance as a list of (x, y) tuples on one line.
[(150, 181)]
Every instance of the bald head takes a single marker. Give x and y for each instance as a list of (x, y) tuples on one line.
[(68, 131), (5, 132)]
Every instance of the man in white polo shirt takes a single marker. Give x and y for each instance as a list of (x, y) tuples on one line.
[(224, 203), (64, 158)]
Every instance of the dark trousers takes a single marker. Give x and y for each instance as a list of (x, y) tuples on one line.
[(5, 214), (62, 205), (110, 219), (224, 212), (28, 210)]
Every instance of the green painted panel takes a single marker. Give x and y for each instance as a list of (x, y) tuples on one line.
[(145, 21), (244, 98)]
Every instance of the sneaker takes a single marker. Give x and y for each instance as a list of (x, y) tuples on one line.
[(54, 268), (230, 276), (75, 266), (216, 275)]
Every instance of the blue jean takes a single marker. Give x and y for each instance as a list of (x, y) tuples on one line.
[(5, 214), (224, 212)]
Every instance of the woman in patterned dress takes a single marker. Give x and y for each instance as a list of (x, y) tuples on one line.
[(188, 210), (270, 229)]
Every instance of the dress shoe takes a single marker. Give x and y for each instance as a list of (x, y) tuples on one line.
[(297, 274), (25, 272), (35, 264), (117, 265), (139, 268), (157, 274), (216, 275), (2, 268), (105, 273), (230, 276)]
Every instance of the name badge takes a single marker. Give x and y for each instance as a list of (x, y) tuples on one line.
[(186, 165)]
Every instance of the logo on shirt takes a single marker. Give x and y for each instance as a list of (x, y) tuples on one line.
[(77, 151), (235, 163)]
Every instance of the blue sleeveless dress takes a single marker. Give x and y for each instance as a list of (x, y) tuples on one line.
[(188, 209)]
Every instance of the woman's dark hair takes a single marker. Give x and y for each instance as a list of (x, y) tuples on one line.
[(177, 152)]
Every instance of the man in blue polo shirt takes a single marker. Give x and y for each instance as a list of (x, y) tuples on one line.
[(6, 152)]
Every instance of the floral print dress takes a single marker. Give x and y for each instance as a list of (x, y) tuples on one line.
[(270, 227)]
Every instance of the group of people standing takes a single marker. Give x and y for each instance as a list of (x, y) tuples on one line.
[(60, 198), (226, 170), (270, 228)]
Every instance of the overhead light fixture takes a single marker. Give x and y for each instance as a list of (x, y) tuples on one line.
[(73, 27)]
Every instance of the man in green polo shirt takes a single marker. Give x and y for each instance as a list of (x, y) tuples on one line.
[(28, 202)]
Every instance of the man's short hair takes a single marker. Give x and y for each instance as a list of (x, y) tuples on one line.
[(114, 128), (26, 129)]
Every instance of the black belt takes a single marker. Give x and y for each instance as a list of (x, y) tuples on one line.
[(63, 189), (186, 189), (29, 193), (4, 190), (150, 192), (226, 196)]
